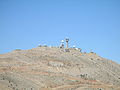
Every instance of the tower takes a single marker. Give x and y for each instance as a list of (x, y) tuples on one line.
[(67, 40)]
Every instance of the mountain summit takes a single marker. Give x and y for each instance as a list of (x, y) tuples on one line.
[(51, 68)]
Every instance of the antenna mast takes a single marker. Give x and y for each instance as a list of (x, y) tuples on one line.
[(67, 40)]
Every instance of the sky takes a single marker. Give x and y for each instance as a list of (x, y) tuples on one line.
[(89, 24)]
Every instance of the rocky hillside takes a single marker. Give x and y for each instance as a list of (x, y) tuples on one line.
[(50, 68)]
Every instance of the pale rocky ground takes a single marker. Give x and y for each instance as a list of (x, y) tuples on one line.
[(50, 68)]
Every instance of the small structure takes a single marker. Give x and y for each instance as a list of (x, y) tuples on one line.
[(79, 49), (39, 45), (44, 45), (91, 51), (73, 46), (62, 44)]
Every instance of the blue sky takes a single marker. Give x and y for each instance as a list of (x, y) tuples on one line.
[(90, 24)]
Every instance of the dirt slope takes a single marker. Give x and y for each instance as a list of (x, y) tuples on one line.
[(46, 68)]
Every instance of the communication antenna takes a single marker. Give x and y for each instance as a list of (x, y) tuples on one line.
[(67, 40)]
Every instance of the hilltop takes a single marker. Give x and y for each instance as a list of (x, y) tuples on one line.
[(51, 68)]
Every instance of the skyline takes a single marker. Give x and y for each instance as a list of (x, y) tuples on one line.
[(89, 24)]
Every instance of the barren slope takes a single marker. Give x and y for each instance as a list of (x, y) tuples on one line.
[(46, 68)]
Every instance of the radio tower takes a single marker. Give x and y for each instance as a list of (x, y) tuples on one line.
[(67, 40)]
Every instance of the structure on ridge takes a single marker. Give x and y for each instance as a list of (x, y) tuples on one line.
[(67, 40), (62, 44)]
